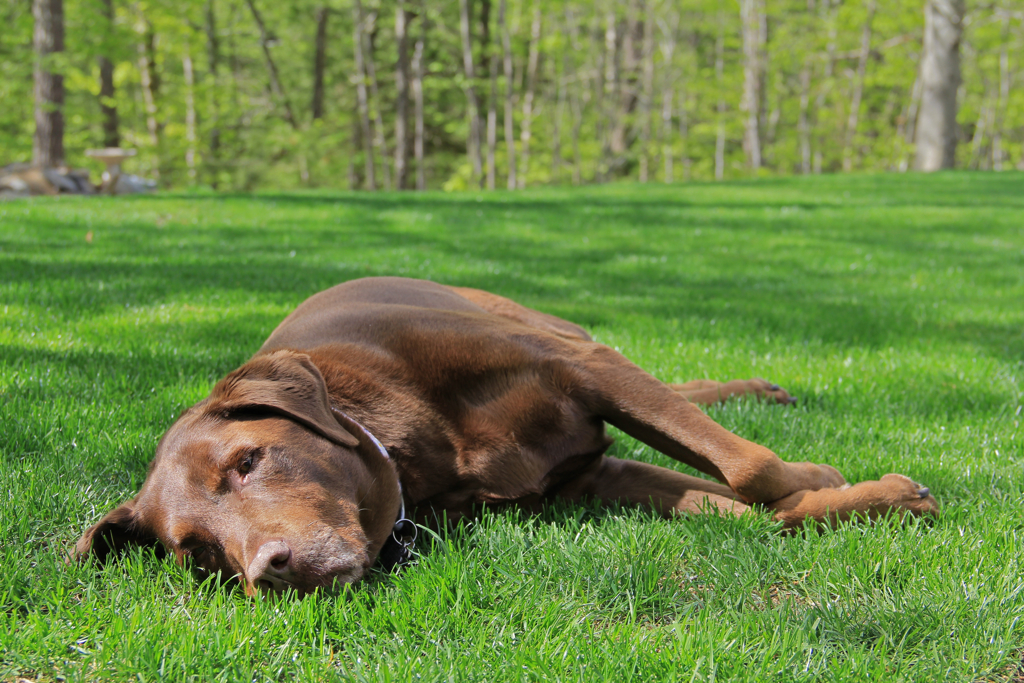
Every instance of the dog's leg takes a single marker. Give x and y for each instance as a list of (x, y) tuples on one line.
[(645, 408), (669, 493), (894, 493), (707, 392), (665, 491)]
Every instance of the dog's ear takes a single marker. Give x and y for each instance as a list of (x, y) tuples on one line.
[(117, 530), (282, 382)]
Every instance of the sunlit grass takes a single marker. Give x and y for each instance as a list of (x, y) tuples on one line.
[(890, 304)]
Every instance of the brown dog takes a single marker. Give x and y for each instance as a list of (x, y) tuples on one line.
[(279, 477)]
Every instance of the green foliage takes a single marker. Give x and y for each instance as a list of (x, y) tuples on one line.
[(889, 304), (243, 141)]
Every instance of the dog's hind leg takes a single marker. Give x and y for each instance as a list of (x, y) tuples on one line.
[(632, 400), (894, 493), (665, 491), (707, 392), (646, 409), (669, 493)]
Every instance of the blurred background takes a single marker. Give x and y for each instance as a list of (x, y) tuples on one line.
[(457, 94)]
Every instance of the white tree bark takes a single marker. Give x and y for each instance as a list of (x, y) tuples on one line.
[(474, 143), (510, 140), (531, 87), (417, 94), (667, 44), (803, 126), (720, 108), (190, 116), (752, 81), (647, 57), (998, 152), (936, 134)]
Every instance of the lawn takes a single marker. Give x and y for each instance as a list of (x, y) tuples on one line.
[(893, 306)]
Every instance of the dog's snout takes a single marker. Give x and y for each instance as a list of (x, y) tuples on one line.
[(271, 568)]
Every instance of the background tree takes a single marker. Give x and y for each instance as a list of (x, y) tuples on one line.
[(48, 42), (940, 77)]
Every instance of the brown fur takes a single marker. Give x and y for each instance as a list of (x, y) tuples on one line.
[(477, 400)]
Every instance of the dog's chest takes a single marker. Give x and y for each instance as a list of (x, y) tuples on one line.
[(511, 447)]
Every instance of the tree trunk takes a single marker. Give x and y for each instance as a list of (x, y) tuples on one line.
[(213, 57), (379, 140), (190, 116), (490, 58), (510, 139), (319, 62), (492, 120), (575, 94), (998, 152), (275, 80), (665, 135), (831, 9), (719, 73), (417, 94), (150, 90), (858, 87), (485, 38), (647, 93), (108, 106), (473, 144), (354, 181), (608, 92), (940, 76), (803, 124), (556, 133), (577, 124), (402, 97), (48, 40), (369, 171), (982, 129), (752, 82), (626, 93), (684, 135), (531, 88), (906, 128), (667, 44)]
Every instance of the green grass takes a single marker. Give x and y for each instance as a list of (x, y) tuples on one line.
[(892, 305)]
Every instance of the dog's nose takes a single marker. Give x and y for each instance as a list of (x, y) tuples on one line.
[(271, 568)]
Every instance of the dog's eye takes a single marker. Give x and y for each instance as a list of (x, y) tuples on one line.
[(246, 466)]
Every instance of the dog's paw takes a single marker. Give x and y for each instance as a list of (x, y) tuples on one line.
[(893, 494), (832, 477), (906, 494), (762, 388)]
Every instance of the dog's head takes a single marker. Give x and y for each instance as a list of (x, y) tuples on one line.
[(261, 481)]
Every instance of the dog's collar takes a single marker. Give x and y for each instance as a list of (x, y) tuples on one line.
[(397, 549)]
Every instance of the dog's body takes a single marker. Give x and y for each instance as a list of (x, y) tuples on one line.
[(276, 477)]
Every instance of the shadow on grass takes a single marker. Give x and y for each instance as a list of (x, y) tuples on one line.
[(800, 305)]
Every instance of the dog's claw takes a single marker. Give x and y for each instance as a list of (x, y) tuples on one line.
[(774, 387), (923, 493), (791, 399)]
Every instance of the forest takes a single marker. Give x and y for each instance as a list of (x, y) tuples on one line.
[(457, 94)]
